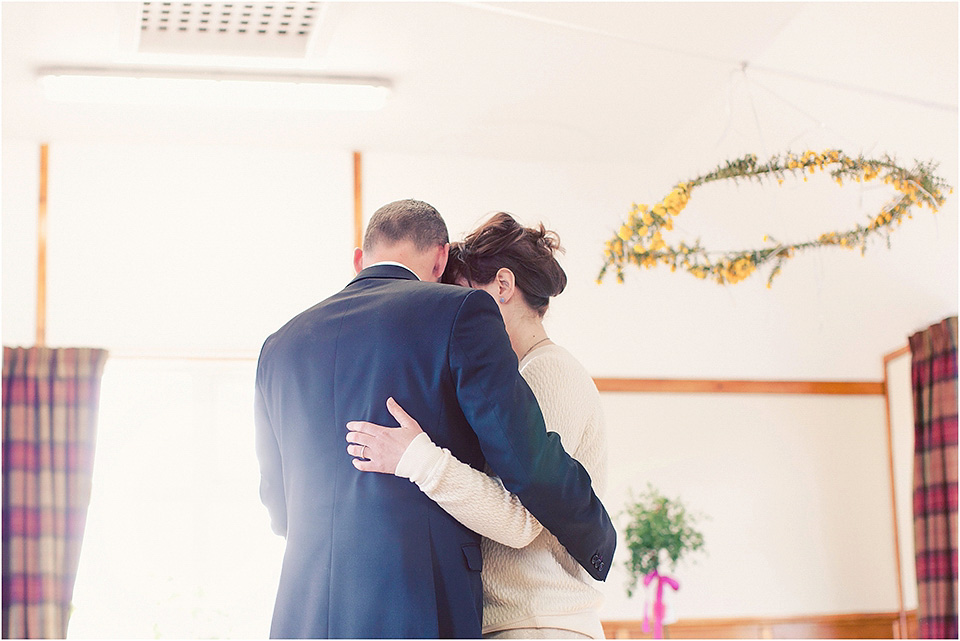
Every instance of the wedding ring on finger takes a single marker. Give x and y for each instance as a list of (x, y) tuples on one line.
[(363, 451)]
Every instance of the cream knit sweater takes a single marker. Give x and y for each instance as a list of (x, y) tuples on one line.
[(529, 579)]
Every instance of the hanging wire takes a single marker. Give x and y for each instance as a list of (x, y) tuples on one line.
[(753, 107), (817, 121), (728, 109), (889, 95), (501, 9), (858, 89)]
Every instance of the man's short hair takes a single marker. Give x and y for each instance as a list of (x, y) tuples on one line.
[(412, 220)]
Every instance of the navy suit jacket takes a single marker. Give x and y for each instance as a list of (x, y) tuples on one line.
[(368, 555)]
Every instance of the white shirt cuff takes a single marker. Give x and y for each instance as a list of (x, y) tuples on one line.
[(419, 459)]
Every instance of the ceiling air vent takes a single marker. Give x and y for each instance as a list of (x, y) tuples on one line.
[(231, 29)]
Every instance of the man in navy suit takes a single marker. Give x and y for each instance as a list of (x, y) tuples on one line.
[(369, 555)]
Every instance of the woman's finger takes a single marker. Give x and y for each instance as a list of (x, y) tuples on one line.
[(359, 451), (361, 438), (364, 426), (367, 460), (401, 415), (371, 429), (365, 466)]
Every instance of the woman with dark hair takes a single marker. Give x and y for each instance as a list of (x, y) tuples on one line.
[(532, 587)]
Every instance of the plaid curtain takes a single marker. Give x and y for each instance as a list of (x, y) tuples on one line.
[(934, 375), (50, 403)]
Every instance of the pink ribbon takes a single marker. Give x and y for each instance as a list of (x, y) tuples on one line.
[(658, 607)]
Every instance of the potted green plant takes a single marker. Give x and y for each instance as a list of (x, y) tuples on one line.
[(660, 531)]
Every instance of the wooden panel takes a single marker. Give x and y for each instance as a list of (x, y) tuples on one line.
[(745, 629), (357, 199), (903, 351), (913, 625), (900, 631), (42, 249), (848, 627), (835, 626), (704, 386)]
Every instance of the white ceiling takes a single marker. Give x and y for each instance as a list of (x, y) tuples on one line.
[(572, 80)]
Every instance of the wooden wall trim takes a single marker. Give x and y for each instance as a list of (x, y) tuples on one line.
[(706, 386), (902, 625), (869, 625), (903, 351), (357, 199), (42, 249)]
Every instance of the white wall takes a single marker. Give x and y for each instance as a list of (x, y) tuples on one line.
[(902, 437), (176, 250), (794, 488), (19, 193), (181, 250)]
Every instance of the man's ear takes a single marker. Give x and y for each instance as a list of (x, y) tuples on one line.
[(440, 264), (358, 259)]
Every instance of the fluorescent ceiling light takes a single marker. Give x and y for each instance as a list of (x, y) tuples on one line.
[(196, 89)]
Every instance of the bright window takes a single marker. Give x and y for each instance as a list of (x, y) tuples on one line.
[(177, 543)]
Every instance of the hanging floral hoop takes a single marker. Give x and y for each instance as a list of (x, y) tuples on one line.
[(640, 239)]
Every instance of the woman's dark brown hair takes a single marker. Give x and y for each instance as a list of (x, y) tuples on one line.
[(503, 242)]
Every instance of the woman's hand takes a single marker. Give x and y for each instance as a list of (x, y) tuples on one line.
[(377, 448)]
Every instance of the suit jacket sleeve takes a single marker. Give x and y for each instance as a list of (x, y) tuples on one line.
[(531, 462), (271, 468)]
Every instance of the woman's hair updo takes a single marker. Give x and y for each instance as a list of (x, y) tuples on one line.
[(503, 242)]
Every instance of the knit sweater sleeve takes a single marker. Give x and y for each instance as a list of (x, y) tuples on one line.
[(569, 402), (477, 500)]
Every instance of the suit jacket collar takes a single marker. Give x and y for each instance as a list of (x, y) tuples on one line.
[(386, 271)]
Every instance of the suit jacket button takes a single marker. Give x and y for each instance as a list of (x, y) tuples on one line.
[(595, 559), (600, 566)]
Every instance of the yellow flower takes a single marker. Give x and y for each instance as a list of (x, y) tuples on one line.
[(625, 232), (657, 242)]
